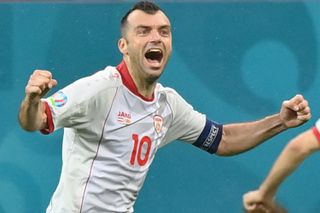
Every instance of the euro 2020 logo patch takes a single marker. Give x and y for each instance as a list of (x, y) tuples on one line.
[(58, 99)]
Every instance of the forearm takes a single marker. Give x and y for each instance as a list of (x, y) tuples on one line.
[(289, 160), (32, 115), (241, 137), (283, 167)]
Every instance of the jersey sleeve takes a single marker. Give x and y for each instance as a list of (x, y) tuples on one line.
[(191, 126), (316, 130), (63, 108), (78, 103)]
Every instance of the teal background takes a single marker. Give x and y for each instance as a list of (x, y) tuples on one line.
[(233, 60)]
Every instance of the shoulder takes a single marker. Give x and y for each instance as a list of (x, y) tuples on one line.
[(173, 98), (109, 77), (170, 93), (97, 82), (99, 85)]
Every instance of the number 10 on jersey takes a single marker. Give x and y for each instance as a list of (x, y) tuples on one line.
[(139, 145)]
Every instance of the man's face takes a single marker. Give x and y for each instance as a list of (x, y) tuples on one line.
[(148, 44)]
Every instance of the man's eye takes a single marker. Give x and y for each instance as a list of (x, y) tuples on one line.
[(165, 32), (142, 32)]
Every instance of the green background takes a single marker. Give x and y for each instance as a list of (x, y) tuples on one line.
[(233, 60)]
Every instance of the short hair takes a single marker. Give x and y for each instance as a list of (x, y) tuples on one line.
[(145, 6)]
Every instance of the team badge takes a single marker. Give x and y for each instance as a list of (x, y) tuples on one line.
[(157, 122), (58, 99)]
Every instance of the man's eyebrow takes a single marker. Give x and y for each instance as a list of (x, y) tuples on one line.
[(142, 26), (148, 26), (165, 26)]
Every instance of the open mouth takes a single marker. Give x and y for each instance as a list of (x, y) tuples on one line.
[(154, 55)]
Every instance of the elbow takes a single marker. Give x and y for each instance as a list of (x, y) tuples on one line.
[(28, 129), (299, 148), (225, 151), (32, 118), (25, 125), (221, 149)]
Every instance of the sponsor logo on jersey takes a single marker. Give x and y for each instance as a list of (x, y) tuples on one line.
[(157, 122), (124, 118), (58, 99)]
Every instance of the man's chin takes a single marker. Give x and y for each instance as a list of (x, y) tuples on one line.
[(154, 67), (154, 73)]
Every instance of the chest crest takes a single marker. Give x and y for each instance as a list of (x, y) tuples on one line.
[(158, 123)]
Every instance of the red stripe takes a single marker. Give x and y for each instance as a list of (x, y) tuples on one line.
[(49, 120), (128, 81), (316, 133)]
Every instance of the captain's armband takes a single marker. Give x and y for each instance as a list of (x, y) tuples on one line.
[(210, 137)]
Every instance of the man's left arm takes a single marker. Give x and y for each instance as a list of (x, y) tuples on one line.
[(240, 137)]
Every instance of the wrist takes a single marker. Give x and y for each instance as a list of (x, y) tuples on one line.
[(32, 100), (282, 122), (267, 193)]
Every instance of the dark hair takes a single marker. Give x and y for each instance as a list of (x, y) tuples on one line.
[(146, 6)]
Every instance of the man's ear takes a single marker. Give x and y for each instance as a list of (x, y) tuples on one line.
[(122, 45)]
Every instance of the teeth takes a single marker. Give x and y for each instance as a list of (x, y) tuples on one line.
[(154, 54), (155, 50)]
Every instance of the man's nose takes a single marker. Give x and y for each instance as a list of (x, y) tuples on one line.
[(155, 36)]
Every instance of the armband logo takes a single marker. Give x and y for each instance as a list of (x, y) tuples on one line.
[(59, 99), (211, 138)]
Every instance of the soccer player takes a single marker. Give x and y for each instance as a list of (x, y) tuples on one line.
[(298, 149), (116, 119)]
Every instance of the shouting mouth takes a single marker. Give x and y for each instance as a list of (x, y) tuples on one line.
[(154, 56)]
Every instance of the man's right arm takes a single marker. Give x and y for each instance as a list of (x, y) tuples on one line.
[(32, 114)]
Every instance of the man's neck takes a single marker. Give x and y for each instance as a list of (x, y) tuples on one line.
[(139, 86), (144, 87)]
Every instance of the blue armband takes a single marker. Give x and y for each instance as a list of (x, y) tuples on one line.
[(210, 137)]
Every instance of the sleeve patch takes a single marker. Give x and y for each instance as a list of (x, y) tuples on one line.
[(210, 137), (58, 99)]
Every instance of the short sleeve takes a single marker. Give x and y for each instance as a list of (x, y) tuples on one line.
[(187, 123), (80, 103)]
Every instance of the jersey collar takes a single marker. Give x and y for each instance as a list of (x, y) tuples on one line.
[(128, 81)]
